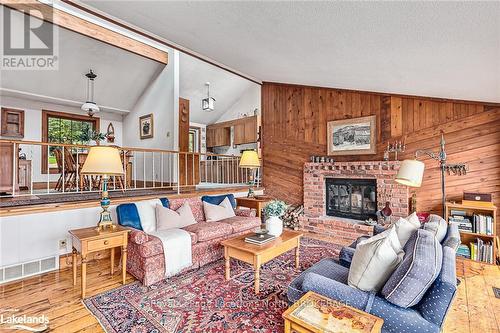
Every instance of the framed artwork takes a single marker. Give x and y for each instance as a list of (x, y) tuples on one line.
[(146, 126), (352, 136)]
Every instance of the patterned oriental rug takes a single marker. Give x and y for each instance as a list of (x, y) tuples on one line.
[(203, 301)]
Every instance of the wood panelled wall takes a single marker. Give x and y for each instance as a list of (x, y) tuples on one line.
[(294, 122)]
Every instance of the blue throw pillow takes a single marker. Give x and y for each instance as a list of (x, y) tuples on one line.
[(418, 270), (217, 199), (128, 216), (165, 202)]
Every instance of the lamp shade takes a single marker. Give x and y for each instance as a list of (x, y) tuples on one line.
[(249, 159), (411, 173), (103, 160)]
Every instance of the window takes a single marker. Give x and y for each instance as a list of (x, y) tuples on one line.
[(59, 127)]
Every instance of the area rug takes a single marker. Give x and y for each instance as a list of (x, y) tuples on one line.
[(203, 301)]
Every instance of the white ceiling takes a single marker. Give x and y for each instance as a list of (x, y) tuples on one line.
[(442, 49), (121, 76), (225, 87)]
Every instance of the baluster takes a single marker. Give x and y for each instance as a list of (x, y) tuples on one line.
[(48, 169)]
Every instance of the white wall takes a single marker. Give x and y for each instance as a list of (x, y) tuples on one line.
[(33, 128), (160, 98), (246, 104)]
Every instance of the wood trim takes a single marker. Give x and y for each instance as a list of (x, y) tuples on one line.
[(45, 131), (44, 208), (436, 99), (149, 36), (73, 23)]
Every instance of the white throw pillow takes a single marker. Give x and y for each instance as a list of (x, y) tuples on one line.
[(218, 212), (405, 227), (375, 259), (167, 218), (438, 226), (147, 214)]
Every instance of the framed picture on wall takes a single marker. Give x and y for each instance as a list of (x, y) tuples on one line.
[(146, 126), (352, 136)]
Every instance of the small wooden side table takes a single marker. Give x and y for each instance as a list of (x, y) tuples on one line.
[(255, 203), (88, 240), (316, 313)]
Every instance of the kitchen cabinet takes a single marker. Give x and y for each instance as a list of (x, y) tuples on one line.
[(218, 136), (245, 130)]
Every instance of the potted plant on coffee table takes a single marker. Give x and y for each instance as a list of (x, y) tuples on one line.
[(273, 212)]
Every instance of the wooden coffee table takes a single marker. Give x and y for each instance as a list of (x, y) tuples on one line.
[(258, 255), (315, 313)]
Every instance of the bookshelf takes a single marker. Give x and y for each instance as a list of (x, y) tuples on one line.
[(480, 209)]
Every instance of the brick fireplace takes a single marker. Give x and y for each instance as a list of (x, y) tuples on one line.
[(344, 229)]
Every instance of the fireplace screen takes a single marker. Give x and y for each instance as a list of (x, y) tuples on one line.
[(351, 198)]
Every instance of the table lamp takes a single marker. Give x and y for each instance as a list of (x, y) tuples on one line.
[(250, 160), (411, 172), (104, 161)]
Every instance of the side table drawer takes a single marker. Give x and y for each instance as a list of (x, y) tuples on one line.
[(101, 244)]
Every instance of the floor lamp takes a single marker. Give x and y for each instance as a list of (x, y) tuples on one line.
[(411, 172)]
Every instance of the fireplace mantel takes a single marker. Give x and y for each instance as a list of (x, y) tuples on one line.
[(315, 219)]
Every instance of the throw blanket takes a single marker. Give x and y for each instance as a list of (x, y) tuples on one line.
[(176, 249)]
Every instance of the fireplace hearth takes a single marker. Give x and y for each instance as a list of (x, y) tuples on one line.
[(351, 198)]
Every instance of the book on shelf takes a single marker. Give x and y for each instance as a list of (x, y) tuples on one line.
[(259, 239), (463, 251), (480, 251), (477, 223)]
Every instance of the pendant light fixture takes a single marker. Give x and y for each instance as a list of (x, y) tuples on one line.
[(208, 104), (90, 106)]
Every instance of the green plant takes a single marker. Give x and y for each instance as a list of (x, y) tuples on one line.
[(91, 135), (275, 208)]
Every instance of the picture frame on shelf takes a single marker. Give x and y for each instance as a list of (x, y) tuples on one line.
[(356, 136)]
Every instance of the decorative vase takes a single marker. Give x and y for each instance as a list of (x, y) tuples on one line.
[(274, 225)]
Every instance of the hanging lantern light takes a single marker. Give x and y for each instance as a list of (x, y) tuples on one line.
[(90, 106), (208, 104)]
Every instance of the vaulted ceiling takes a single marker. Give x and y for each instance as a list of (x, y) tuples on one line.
[(121, 76), (429, 48), (225, 87)]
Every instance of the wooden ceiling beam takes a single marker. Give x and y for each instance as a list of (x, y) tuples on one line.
[(76, 24)]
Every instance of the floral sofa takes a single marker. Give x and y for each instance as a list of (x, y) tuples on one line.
[(145, 258)]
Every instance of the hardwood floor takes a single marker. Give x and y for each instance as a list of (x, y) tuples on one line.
[(475, 308)]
